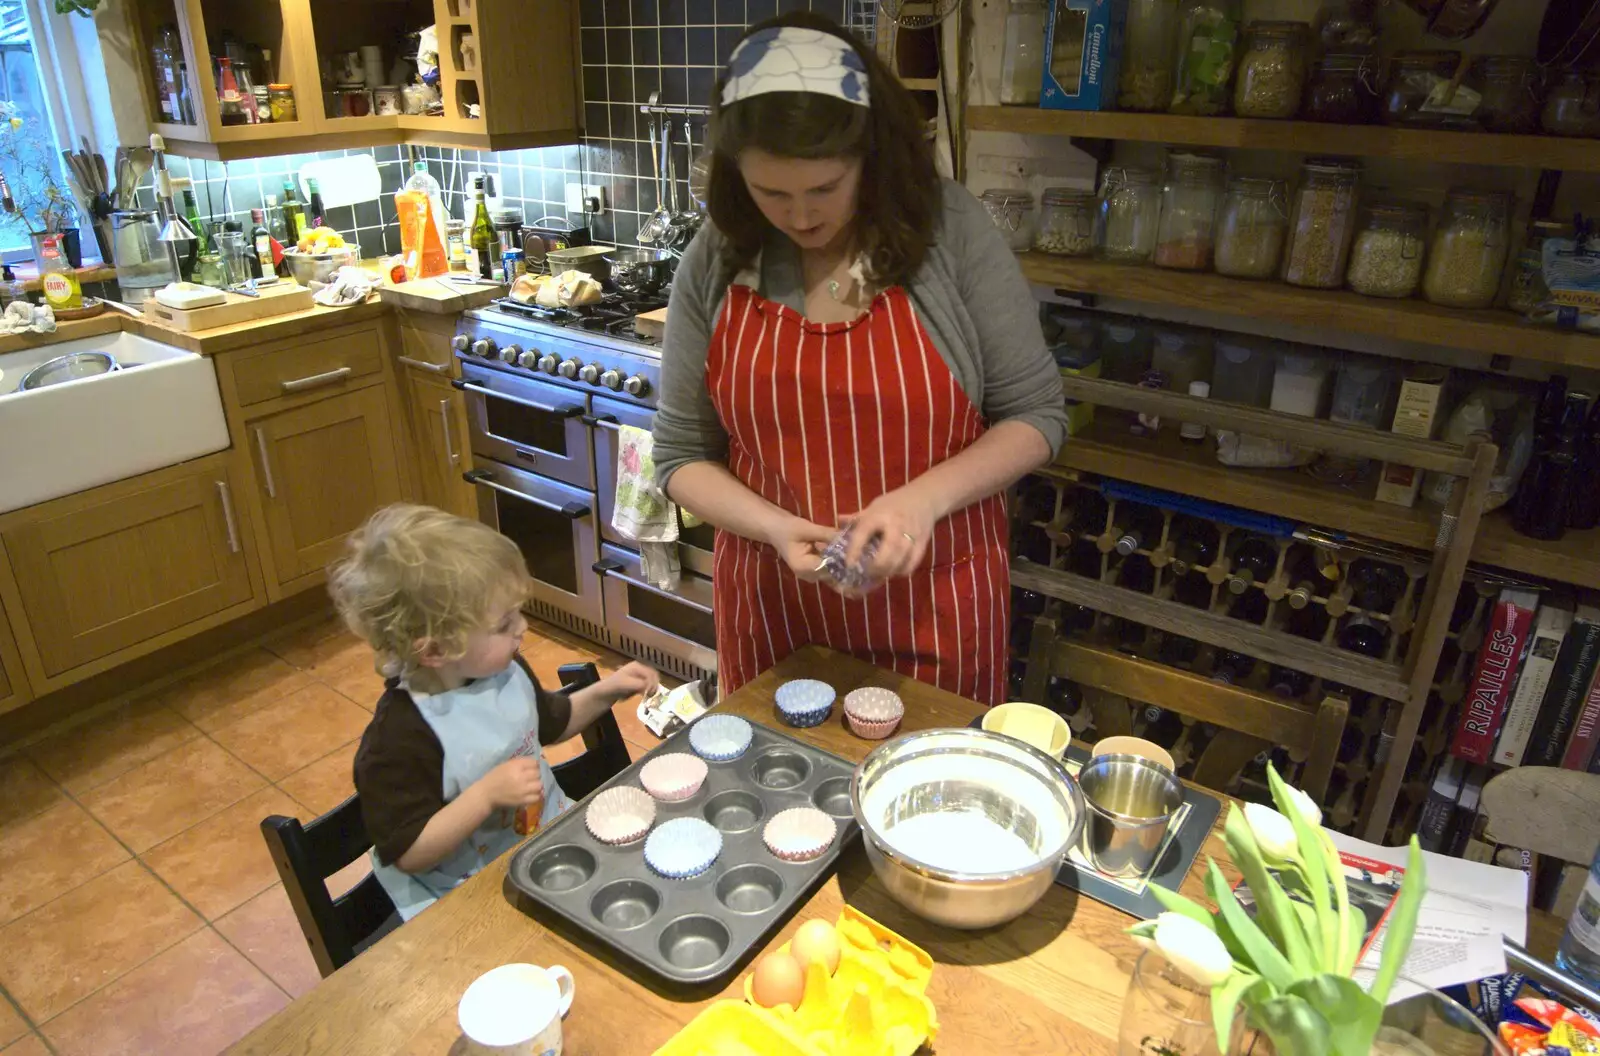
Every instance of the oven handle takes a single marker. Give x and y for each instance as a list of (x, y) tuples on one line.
[(606, 566), (570, 411), (604, 421), (573, 511)]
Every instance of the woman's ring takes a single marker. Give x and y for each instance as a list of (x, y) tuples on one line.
[(909, 537)]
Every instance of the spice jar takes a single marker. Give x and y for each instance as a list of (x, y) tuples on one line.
[(1511, 98), (1208, 38), (1427, 89), (1468, 249), (1130, 211), (1022, 69), (1573, 107), (1322, 223), (1386, 257), (1145, 82), (280, 100), (1012, 212), (1189, 201), (1343, 89), (1066, 222), (1528, 290), (1272, 70), (1255, 215)]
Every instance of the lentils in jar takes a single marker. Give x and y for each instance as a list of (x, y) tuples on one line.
[(1066, 223), (1468, 250), (1323, 221), (1272, 70), (1255, 216), (1386, 258), (1189, 211)]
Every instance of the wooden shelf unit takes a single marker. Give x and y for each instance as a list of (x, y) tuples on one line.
[(1310, 137)]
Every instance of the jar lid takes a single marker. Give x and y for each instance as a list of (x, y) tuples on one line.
[(1478, 196), (1440, 61), (1120, 174), (1066, 196), (1345, 61), (1236, 348), (1283, 30), (1121, 332), (1332, 166), (1505, 65), (1549, 228), (279, 87), (1398, 211), (1007, 196), (1257, 186), (1190, 158), (350, 86), (1171, 340)]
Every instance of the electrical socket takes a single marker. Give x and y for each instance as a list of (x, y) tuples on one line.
[(580, 194)]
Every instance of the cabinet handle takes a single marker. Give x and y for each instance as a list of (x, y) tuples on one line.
[(316, 381), (266, 463), (436, 368), (227, 516), (444, 418)]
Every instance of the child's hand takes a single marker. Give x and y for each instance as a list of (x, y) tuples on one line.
[(514, 783), (631, 679)]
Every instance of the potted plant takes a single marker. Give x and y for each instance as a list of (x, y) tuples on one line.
[(35, 200)]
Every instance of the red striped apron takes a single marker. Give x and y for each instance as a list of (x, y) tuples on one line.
[(822, 418)]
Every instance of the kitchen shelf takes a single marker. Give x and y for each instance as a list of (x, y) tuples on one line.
[(1491, 331), (1372, 141)]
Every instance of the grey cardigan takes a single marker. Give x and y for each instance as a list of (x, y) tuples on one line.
[(969, 294)]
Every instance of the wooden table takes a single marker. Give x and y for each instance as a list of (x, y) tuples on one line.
[(1050, 981)]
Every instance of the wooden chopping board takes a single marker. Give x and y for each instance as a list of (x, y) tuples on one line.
[(651, 324), (279, 299)]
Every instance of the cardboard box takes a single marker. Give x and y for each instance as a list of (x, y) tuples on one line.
[(1083, 45), (1080, 415), (1415, 415)]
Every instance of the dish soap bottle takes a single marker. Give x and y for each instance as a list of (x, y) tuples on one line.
[(56, 276), (420, 208)]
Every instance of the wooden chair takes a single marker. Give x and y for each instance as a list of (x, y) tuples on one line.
[(337, 929), (1549, 811), (1249, 722)]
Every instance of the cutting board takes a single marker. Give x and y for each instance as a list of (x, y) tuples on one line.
[(651, 324), (279, 299)]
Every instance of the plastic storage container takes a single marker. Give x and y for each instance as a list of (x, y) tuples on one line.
[(1386, 257), (1468, 250), (1022, 68), (1420, 92), (1066, 222), (1573, 106), (1208, 50), (1130, 212), (1272, 69), (1343, 89), (1189, 202), (1363, 392), (1012, 213), (1251, 229), (1125, 348), (1323, 222), (1300, 383), (1145, 81), (1528, 290), (1243, 369), (1182, 356), (1512, 95)]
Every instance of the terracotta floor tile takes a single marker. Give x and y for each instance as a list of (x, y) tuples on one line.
[(67, 949), (162, 798), (28, 1046), (12, 1025), (196, 998), (295, 731), (223, 862), (233, 689), (636, 752), (626, 712), (50, 854), (570, 748), (356, 679), (265, 930), (89, 755), (318, 647), (25, 790), (325, 783)]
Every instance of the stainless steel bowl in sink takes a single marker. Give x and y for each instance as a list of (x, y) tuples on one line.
[(70, 367), (973, 782)]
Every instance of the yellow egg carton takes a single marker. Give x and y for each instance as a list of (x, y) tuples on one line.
[(905, 958), (733, 1028)]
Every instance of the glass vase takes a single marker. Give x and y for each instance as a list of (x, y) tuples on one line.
[(1166, 1013)]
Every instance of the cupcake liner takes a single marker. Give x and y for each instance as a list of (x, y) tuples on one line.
[(871, 731), (682, 847), (805, 702), (872, 704), (799, 834), (620, 815), (675, 777), (719, 738)]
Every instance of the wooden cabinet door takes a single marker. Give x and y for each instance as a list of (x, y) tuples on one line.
[(100, 574), (322, 469), (14, 689), (437, 416)]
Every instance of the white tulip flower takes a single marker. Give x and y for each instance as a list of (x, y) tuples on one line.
[(1273, 832), (1194, 949), (1305, 805)]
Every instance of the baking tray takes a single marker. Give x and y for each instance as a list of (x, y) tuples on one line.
[(684, 932)]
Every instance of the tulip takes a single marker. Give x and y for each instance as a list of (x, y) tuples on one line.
[(1192, 948), (1274, 833), (1304, 805)]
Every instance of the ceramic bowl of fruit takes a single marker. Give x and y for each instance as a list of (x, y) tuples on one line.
[(319, 253)]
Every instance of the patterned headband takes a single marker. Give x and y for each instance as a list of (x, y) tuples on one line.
[(789, 59)]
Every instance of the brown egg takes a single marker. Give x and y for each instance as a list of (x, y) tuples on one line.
[(778, 980), (817, 941)]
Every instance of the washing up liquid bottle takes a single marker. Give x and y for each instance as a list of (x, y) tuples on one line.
[(420, 208)]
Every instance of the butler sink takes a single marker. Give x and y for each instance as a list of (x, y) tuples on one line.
[(162, 407)]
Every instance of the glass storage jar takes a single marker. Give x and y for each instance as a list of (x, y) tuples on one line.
[(1528, 290), (1272, 69), (1386, 257), (1208, 42), (1066, 222), (1573, 106), (1321, 223), (1145, 82), (1343, 89), (1022, 68), (1511, 93), (1255, 215), (1468, 249), (280, 101), (1189, 201), (1424, 92), (1012, 213), (1130, 211)]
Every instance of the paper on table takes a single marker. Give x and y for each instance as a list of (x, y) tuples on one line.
[(1468, 908)]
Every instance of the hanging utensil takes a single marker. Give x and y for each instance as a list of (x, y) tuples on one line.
[(174, 227), (656, 225), (699, 169)]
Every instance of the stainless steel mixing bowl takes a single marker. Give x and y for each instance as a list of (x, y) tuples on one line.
[(1010, 783), (70, 367)]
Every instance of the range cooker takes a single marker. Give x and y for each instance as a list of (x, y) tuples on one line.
[(547, 391)]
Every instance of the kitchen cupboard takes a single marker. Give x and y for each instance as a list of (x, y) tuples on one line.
[(14, 691), (435, 414)]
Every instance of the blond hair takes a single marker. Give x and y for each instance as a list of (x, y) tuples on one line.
[(414, 574)]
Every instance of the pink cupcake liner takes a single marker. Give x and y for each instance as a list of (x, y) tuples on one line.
[(799, 834), (620, 815), (672, 778), (871, 731), (872, 704)]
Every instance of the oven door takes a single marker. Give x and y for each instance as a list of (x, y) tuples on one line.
[(528, 423), (672, 629), (694, 544), (553, 525)]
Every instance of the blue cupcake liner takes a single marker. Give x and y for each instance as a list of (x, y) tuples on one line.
[(805, 702), (682, 847), (720, 738)]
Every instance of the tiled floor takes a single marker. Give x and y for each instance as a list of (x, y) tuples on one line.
[(139, 910)]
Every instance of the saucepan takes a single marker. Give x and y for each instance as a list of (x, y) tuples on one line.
[(641, 271)]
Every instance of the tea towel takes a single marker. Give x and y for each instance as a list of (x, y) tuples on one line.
[(643, 513)]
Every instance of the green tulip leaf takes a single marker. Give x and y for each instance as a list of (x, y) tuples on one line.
[(1176, 903), (1294, 1025), (1325, 933), (1145, 929), (1355, 938), (1352, 1015), (1259, 951), (1274, 908), (1402, 924), (1225, 998)]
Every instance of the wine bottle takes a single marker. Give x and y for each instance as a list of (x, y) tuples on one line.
[(314, 210), (1376, 586), (1178, 651), (1545, 495), (1232, 668), (1063, 697), (1136, 573), (1364, 636), (1138, 527), (1036, 501), (1193, 590), (1584, 511), (1088, 513), (1162, 725), (481, 239), (1194, 544), (1034, 545), (261, 243), (294, 218), (1288, 683), (1253, 560), (192, 250), (1251, 606), (1310, 622), (1027, 603)]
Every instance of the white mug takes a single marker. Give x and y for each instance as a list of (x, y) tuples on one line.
[(516, 1010)]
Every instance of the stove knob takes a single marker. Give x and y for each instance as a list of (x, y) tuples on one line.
[(568, 368), (511, 353), (547, 363), (636, 386), (530, 360), (612, 379), (484, 347), (461, 342), (589, 374)]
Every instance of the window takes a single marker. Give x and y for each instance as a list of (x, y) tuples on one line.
[(30, 158)]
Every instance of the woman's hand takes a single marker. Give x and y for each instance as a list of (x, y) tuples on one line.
[(902, 520), (800, 543)]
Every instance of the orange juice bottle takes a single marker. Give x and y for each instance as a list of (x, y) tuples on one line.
[(420, 208)]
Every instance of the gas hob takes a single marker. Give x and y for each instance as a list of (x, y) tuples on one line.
[(594, 349)]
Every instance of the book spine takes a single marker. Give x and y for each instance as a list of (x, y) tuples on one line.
[(1439, 807), (1466, 813), (1585, 731), (1569, 685), (1532, 681), (1490, 690)]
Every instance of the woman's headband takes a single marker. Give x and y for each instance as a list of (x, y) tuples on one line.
[(790, 59)]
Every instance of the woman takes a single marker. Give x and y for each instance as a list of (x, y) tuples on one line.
[(849, 343)]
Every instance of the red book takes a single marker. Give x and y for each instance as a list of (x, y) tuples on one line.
[(1585, 731), (1485, 704)]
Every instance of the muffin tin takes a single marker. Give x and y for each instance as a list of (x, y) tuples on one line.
[(697, 931)]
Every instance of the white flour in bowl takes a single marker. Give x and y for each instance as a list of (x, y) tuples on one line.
[(961, 841)]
